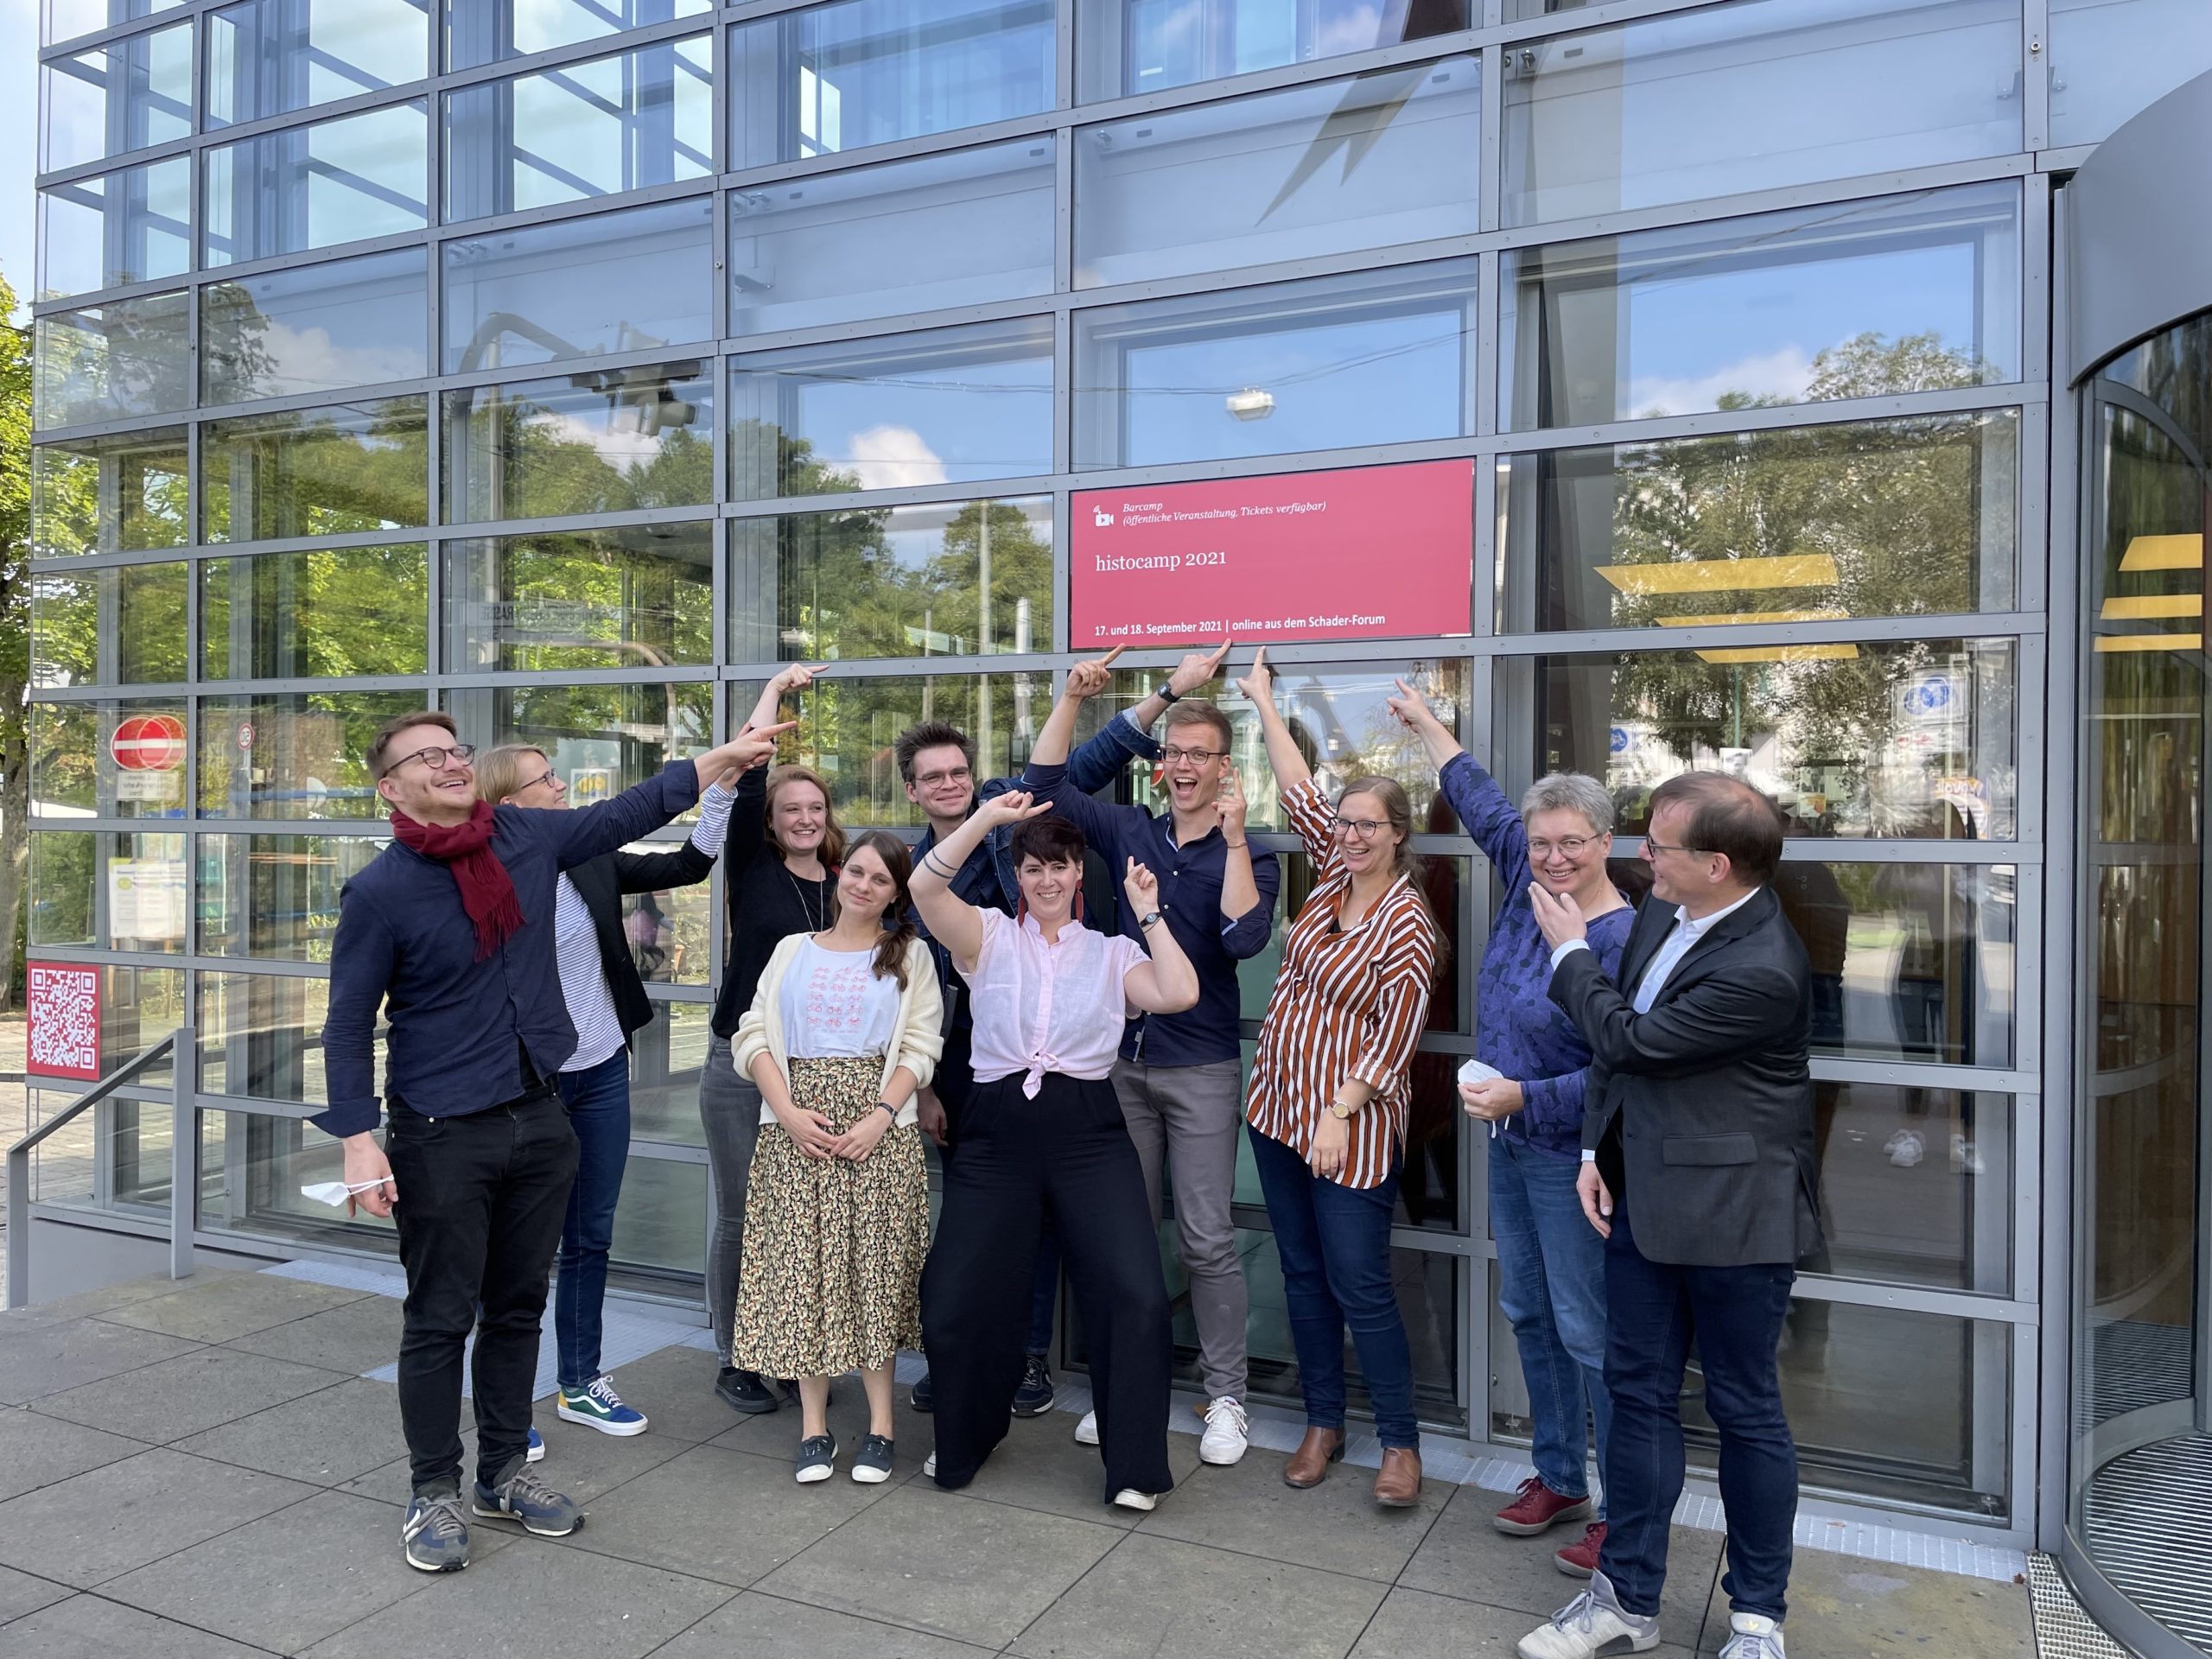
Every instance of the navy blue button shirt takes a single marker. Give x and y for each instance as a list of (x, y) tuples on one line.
[(458, 1026), (1190, 902)]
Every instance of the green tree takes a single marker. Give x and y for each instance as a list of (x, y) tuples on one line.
[(15, 634)]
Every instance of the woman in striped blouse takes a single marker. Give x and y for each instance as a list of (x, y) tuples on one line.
[(1327, 1107)]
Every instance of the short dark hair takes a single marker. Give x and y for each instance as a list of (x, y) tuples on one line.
[(399, 723), (1202, 714), (929, 735), (1728, 817), (1049, 840)]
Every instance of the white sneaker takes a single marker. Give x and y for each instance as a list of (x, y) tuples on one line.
[(1756, 1637), (1129, 1499), (1905, 1149), (1965, 1160), (1086, 1431), (1589, 1625), (929, 1465), (1224, 1440)]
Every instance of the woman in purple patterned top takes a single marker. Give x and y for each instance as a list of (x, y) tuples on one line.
[(1551, 1262)]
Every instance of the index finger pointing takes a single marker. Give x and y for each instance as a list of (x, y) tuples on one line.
[(1222, 652), (1107, 661)]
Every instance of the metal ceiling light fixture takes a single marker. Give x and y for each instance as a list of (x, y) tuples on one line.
[(1251, 403)]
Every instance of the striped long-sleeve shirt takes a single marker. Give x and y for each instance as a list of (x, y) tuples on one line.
[(1347, 1003)]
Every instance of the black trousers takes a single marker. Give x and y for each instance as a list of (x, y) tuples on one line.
[(1066, 1153), (482, 1198)]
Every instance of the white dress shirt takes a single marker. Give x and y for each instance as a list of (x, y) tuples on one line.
[(1687, 932), (1042, 1007)]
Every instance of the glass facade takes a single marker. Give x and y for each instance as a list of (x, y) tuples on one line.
[(572, 366)]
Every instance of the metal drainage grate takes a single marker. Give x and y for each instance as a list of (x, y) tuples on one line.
[(2062, 1630)]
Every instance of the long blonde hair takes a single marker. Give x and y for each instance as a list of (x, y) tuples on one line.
[(833, 833), (502, 773)]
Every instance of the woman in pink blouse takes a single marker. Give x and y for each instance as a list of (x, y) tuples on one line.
[(1326, 1110), (1042, 1128)]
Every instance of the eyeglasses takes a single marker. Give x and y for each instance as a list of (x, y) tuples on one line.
[(932, 779), (1651, 846), (1572, 846), (436, 760), (1196, 757), (549, 776), (1365, 829)]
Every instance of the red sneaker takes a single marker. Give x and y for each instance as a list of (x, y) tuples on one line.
[(1581, 1560), (1535, 1508)]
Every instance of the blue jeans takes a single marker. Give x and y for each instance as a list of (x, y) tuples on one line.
[(598, 1099), (1551, 1266), (1335, 1245), (1734, 1315)]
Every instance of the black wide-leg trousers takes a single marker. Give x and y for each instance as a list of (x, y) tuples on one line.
[(1066, 1153)]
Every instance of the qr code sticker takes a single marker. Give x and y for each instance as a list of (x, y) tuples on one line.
[(64, 1035)]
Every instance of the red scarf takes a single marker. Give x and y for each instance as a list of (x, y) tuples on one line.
[(487, 892)]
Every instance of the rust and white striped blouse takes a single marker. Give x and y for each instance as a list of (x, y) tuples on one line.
[(1346, 1004)]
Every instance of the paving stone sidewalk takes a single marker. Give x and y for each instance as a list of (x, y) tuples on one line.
[(199, 1471)]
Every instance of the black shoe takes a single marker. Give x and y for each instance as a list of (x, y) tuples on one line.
[(924, 1395), (787, 1391), (744, 1391), (1034, 1397)]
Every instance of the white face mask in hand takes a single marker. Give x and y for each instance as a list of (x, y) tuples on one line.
[(334, 1193)]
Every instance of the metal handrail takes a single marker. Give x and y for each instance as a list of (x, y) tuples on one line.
[(179, 1041)]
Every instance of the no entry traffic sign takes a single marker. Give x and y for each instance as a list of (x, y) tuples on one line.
[(148, 743)]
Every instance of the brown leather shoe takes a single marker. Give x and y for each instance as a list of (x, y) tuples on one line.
[(1309, 1465), (1397, 1484)]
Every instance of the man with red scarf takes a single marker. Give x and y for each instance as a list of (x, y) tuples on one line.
[(449, 930)]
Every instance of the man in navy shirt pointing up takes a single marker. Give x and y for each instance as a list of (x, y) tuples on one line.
[(450, 931)]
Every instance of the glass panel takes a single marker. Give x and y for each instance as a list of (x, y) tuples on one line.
[(122, 626), (1843, 1370), (667, 1058), (947, 407), (491, 31), (633, 598), (872, 72), (1127, 46), (970, 226), (1381, 158), (275, 896), (596, 129), (101, 495), (354, 322), (1803, 524), (117, 97), (269, 57), (1382, 357), (847, 726), (623, 281), (124, 893), (602, 738), (301, 756), (261, 1037), (67, 19), (74, 767), (1338, 716), (1902, 294), (2112, 59), (316, 471), (957, 578), (252, 1169), (1658, 111), (2140, 1338), (660, 1217), (603, 441), (667, 930), (128, 357), (1915, 1184), (138, 1007), (311, 186), (131, 226), (336, 611), (1911, 738)]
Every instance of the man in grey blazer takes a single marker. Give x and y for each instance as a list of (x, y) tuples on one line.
[(1698, 1167)]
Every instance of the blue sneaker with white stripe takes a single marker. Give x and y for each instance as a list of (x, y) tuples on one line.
[(537, 1453), (599, 1406)]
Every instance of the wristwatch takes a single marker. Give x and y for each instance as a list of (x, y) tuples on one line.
[(886, 1106), (1167, 693), (1147, 919), (1341, 1112)]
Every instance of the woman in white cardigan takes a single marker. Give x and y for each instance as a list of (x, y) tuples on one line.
[(843, 1031)]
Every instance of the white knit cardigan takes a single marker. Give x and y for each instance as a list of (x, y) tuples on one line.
[(915, 1044)]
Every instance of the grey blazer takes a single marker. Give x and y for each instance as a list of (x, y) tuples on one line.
[(1700, 1111)]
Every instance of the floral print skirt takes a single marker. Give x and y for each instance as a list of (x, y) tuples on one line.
[(833, 1249)]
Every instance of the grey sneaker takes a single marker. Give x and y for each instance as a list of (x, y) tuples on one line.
[(872, 1466), (1589, 1625), (435, 1534), (524, 1497), (1754, 1637)]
